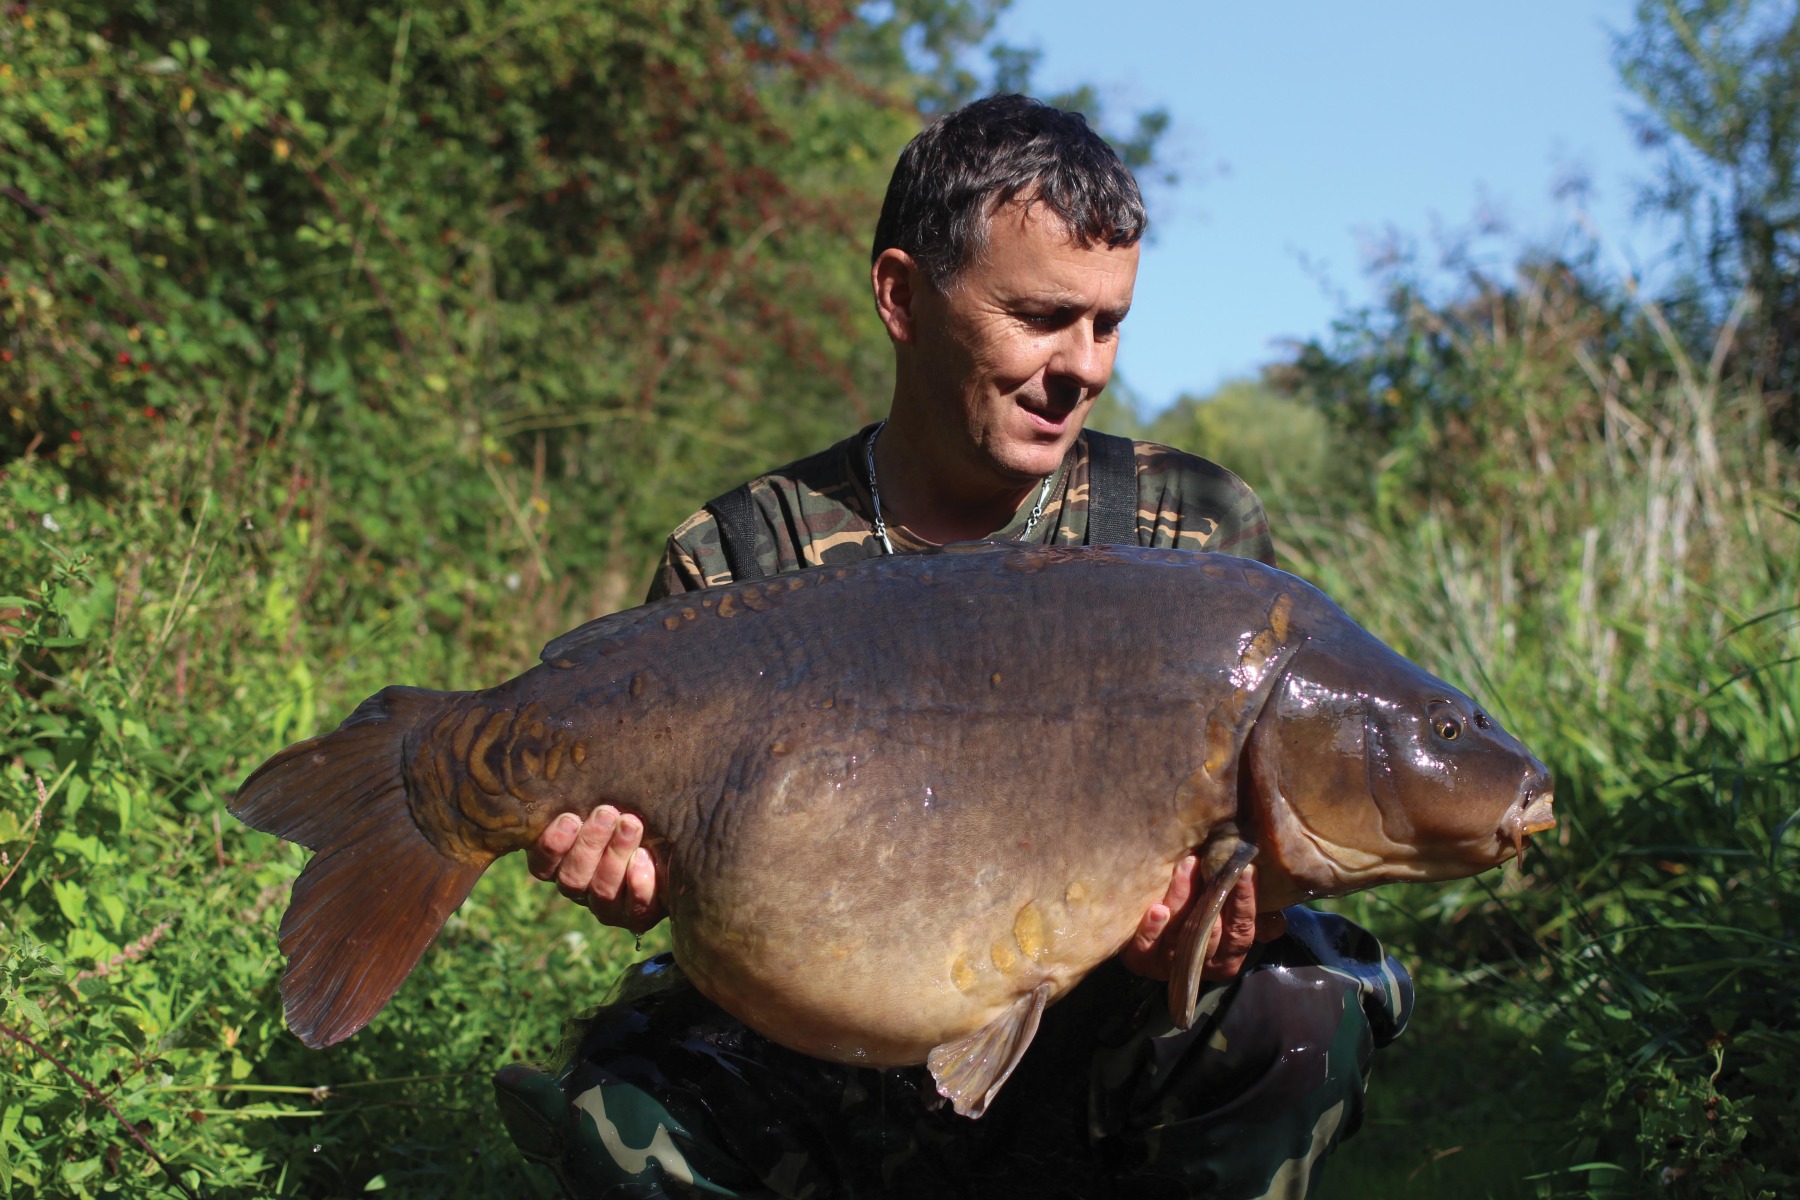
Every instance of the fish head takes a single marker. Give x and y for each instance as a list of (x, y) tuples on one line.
[(1365, 769)]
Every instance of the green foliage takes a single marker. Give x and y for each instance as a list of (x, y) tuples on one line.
[(140, 921), (1593, 533), (1275, 443), (548, 244)]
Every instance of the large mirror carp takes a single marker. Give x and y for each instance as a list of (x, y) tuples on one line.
[(896, 808)]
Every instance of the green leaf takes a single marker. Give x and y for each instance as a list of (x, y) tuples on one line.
[(121, 795), (31, 501), (75, 793), (86, 847), (75, 1172), (28, 1008), (85, 942), (71, 898), (89, 607)]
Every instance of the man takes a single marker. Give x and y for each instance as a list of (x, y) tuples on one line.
[(1003, 265)]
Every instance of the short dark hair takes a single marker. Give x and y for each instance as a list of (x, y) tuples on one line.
[(969, 163)]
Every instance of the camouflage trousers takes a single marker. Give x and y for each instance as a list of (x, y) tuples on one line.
[(666, 1095)]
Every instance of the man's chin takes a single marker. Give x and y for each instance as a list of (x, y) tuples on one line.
[(1028, 459)]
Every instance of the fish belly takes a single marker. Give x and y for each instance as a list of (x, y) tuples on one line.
[(892, 945)]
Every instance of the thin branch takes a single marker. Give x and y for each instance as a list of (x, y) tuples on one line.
[(37, 819)]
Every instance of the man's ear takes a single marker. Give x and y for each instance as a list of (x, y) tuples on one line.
[(897, 281)]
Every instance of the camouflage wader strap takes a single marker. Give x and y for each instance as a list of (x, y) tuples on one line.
[(1112, 506), (736, 514), (1112, 491)]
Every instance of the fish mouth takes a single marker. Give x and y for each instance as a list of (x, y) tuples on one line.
[(1530, 814)]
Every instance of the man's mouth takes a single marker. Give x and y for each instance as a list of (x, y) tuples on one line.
[(1047, 416)]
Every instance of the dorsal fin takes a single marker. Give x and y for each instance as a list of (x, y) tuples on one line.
[(584, 639)]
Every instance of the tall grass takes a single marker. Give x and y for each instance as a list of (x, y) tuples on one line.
[(1627, 1007)]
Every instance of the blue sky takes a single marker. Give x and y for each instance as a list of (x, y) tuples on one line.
[(1305, 128)]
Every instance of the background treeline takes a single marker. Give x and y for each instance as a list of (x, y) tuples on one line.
[(347, 343)]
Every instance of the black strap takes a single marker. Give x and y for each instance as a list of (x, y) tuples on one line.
[(1112, 491), (735, 514)]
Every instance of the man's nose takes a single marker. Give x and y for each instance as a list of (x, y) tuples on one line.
[(1081, 358)]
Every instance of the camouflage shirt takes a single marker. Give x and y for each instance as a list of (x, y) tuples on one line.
[(817, 511)]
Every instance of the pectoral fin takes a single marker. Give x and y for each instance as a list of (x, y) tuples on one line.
[(970, 1070), (1223, 860)]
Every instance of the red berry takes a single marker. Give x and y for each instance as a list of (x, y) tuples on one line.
[(5, 355), (150, 412), (144, 367), (124, 357), (75, 435)]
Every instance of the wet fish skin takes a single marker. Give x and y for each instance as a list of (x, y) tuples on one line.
[(899, 805)]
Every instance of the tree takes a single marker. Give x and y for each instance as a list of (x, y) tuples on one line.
[(1719, 81)]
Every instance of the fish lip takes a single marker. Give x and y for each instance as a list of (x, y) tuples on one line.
[(1531, 813)]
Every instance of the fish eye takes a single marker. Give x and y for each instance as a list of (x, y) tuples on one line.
[(1448, 728)]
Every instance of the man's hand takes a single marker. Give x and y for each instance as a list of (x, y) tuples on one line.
[(1151, 953), (599, 863)]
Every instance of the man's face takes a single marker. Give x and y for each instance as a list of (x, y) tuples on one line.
[(1011, 357)]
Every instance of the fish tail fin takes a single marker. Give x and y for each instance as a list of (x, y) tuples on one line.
[(377, 891)]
